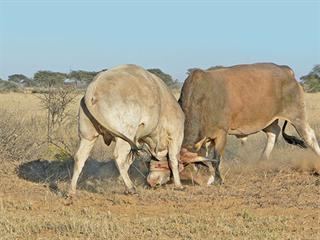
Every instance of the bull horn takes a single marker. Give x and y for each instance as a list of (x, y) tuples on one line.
[(190, 157), (197, 159), (203, 159), (199, 144)]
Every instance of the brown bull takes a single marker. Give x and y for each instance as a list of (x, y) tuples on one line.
[(242, 100), (132, 107)]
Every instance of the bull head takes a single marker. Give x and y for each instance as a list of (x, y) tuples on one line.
[(159, 173)]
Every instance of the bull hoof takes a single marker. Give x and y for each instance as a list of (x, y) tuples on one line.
[(131, 191), (69, 195), (217, 181), (71, 192)]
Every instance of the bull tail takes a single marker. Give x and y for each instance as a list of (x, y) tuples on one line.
[(292, 139), (96, 116)]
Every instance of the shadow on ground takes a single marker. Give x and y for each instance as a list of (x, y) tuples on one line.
[(94, 174)]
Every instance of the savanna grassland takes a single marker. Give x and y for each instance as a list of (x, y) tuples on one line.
[(278, 199)]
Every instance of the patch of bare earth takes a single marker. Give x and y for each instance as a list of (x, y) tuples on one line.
[(255, 202), (278, 199)]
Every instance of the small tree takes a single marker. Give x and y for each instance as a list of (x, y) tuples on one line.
[(31, 83), (6, 86), (56, 101), (82, 76), (17, 78), (164, 76), (49, 79), (311, 82)]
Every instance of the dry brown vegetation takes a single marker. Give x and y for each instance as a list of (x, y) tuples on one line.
[(278, 199)]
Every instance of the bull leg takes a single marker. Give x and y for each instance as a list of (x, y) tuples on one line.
[(79, 160), (174, 155), (308, 135), (272, 132), (216, 154), (210, 154), (123, 158)]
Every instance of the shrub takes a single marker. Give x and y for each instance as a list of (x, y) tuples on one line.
[(311, 82), (6, 86), (21, 138), (164, 76)]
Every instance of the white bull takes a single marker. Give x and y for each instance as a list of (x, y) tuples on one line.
[(132, 107)]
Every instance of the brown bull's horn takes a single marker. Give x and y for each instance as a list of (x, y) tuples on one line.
[(199, 144), (194, 160), (190, 157), (203, 159)]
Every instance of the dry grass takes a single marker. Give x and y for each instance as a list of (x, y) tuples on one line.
[(274, 200)]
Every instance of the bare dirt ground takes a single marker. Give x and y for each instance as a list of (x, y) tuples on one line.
[(279, 199)]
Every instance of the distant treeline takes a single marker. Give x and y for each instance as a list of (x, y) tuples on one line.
[(78, 78), (81, 78)]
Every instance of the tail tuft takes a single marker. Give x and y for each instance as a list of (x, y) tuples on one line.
[(292, 139)]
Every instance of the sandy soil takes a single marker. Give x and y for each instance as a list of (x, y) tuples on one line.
[(278, 199)]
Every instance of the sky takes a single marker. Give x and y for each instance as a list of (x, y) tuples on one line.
[(171, 35)]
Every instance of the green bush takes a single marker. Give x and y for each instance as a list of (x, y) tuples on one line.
[(164, 76), (6, 86), (311, 82)]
